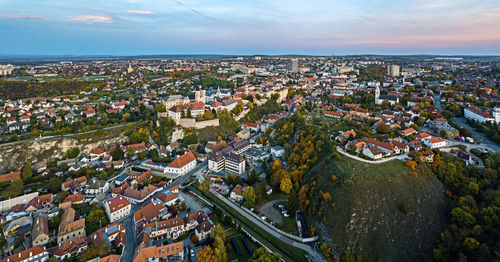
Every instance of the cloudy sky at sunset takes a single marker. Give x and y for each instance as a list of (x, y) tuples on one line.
[(135, 27)]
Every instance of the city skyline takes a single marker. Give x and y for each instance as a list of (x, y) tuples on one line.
[(138, 27)]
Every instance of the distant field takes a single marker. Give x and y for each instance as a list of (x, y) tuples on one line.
[(367, 214)]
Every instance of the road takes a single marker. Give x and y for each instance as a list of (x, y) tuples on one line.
[(312, 252), (400, 157), (128, 222), (486, 143)]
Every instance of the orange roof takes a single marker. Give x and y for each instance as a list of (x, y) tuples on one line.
[(97, 151), (117, 203), (183, 160), (422, 135), (436, 140), (10, 176), (25, 254), (74, 198)]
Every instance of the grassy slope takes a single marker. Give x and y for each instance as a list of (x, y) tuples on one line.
[(367, 217)]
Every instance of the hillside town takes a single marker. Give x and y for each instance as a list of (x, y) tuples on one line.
[(214, 153)]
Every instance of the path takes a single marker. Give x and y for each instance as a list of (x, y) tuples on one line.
[(399, 157), (314, 254)]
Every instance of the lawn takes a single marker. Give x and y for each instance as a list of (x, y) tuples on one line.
[(366, 215), (264, 236)]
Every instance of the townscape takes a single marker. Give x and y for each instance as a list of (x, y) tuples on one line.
[(250, 158)]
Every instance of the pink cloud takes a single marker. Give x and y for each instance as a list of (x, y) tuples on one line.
[(141, 12), (20, 16), (90, 19)]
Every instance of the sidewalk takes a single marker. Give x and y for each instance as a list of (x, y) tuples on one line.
[(399, 157)]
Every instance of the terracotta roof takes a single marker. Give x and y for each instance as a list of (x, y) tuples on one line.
[(68, 224), (436, 140), (74, 198), (143, 254), (69, 246), (238, 190), (110, 258), (136, 194), (149, 212), (10, 176), (117, 203), (164, 224), (183, 160), (25, 254)]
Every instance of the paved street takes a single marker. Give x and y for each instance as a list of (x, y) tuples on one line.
[(128, 222), (485, 142), (313, 253)]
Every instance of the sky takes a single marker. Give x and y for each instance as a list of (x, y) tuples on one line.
[(251, 27)]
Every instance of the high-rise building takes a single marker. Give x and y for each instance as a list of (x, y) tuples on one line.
[(393, 70), (294, 65)]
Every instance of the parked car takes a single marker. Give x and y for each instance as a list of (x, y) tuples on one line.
[(192, 253)]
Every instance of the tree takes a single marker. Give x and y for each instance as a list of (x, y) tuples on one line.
[(95, 250), (60, 197), (286, 185), (160, 108), (208, 114), (103, 175), (206, 254), (27, 172), (249, 196), (16, 188), (462, 217), (72, 153), (218, 231), (97, 218), (261, 255), (220, 249), (117, 154), (54, 185)]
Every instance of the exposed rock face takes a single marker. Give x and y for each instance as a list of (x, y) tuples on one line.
[(14, 156)]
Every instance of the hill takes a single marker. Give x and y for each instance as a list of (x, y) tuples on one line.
[(379, 210)]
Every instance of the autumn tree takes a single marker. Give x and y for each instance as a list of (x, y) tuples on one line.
[(261, 254), (206, 254), (249, 197), (286, 185)]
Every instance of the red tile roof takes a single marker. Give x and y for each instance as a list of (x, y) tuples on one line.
[(183, 160)]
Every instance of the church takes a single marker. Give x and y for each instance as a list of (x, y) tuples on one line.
[(379, 99)]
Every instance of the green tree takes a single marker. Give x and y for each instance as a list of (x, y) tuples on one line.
[(117, 154), (462, 217), (16, 188), (26, 171), (72, 153), (54, 185), (249, 197), (160, 108)]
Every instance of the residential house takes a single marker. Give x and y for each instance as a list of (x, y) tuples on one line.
[(111, 235), (237, 193), (70, 248), (34, 254), (117, 208), (40, 232), (70, 229)]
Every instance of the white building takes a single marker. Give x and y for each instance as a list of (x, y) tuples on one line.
[(294, 65), (393, 70), (235, 163), (117, 208), (435, 142), (277, 151), (480, 116)]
